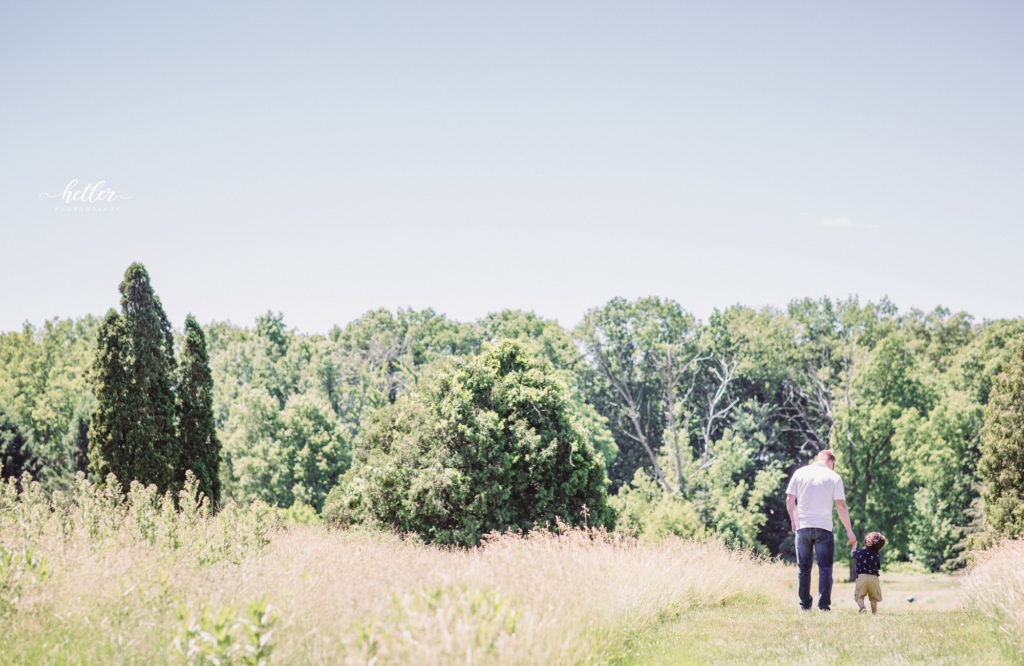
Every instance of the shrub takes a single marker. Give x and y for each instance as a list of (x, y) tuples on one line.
[(492, 443), (651, 513)]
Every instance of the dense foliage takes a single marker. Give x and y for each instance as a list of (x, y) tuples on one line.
[(15, 457), (1002, 461), (45, 394), (492, 443), (199, 450), (150, 423), (133, 426), (700, 423)]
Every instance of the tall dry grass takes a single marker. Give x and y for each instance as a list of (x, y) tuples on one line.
[(129, 593), (995, 588), (543, 598)]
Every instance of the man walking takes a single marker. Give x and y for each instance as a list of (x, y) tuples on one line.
[(809, 498)]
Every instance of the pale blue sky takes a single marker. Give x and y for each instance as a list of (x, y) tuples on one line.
[(322, 160)]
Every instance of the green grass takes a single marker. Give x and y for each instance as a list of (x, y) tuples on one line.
[(935, 628)]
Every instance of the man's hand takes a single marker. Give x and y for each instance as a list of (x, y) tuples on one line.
[(851, 538)]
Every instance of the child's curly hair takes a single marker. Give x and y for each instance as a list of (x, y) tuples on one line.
[(874, 541)]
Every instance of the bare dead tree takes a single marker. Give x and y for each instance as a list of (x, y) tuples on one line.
[(630, 402), (807, 407), (724, 371), (674, 373), (676, 367)]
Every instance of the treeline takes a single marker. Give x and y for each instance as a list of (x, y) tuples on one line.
[(698, 424)]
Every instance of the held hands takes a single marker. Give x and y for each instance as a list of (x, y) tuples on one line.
[(851, 538)]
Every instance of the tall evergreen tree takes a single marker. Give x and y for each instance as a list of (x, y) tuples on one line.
[(200, 449), (1002, 458), (111, 423), (133, 432)]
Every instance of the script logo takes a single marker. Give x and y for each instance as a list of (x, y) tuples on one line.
[(88, 197)]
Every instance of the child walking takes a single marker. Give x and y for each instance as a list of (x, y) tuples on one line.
[(868, 562)]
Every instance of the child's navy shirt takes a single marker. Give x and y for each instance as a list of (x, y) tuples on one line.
[(868, 561)]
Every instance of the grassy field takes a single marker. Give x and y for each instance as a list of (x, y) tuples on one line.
[(93, 578), (313, 597), (937, 627)]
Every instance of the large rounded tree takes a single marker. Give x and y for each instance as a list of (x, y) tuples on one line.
[(490, 443)]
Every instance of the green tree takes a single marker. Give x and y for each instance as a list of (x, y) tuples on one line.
[(76, 443), (44, 389), (775, 391), (1002, 452), (546, 339), (884, 385), (197, 436), (979, 362), (492, 443), (283, 456), (133, 431), (724, 494), (15, 457), (381, 355), (937, 337), (731, 492), (276, 361), (646, 355), (111, 424), (645, 509), (316, 450), (937, 457), (254, 464)]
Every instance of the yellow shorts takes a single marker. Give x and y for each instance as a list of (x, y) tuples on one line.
[(867, 586)]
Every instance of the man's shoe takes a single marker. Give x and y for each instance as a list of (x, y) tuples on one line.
[(863, 610)]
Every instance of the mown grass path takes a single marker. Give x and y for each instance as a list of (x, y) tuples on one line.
[(935, 628)]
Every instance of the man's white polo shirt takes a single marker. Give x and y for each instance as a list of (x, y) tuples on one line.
[(815, 487)]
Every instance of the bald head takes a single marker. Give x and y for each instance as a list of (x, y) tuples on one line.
[(826, 456)]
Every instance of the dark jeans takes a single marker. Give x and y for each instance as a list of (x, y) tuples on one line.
[(823, 545)]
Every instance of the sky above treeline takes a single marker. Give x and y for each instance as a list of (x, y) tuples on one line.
[(324, 160)]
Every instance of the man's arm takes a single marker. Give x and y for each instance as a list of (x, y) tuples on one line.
[(791, 507), (844, 518)]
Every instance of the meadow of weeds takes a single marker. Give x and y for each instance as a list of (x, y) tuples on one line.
[(995, 588), (94, 576)]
